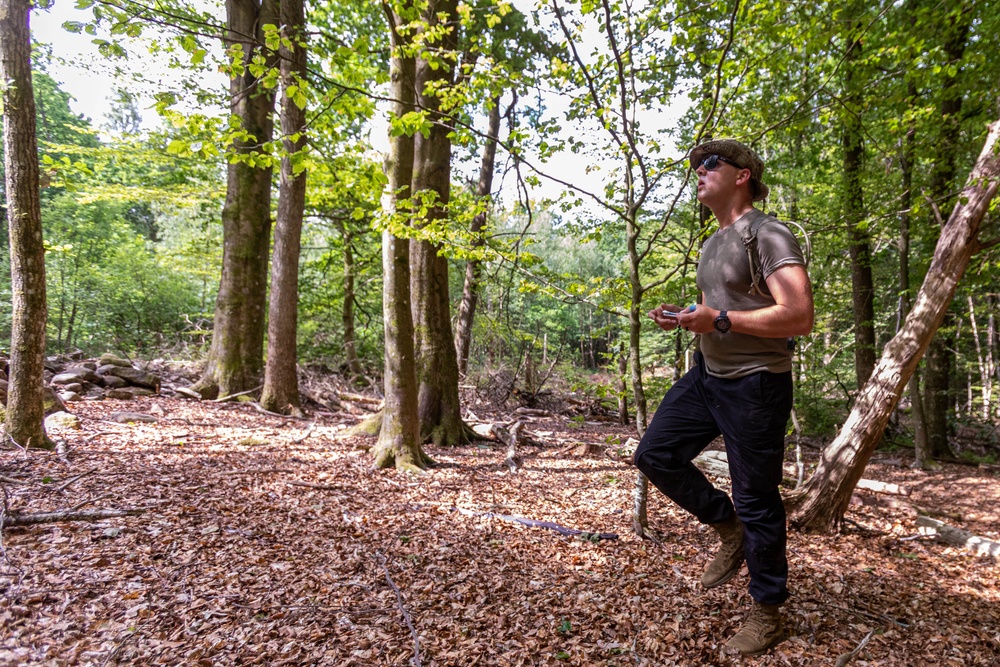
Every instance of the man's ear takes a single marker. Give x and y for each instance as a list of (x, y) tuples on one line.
[(744, 177)]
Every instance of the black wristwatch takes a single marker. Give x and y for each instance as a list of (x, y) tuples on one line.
[(722, 323)]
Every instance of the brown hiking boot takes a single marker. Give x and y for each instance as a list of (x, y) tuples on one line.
[(730, 556), (761, 631)]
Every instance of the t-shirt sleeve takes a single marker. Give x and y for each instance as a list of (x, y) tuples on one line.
[(777, 247)]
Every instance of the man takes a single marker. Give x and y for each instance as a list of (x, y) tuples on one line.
[(740, 387)]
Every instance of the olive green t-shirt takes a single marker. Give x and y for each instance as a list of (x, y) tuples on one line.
[(724, 278)]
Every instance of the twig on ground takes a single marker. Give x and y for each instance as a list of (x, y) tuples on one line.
[(62, 487), (322, 487), (534, 523), (257, 471), (845, 658), (88, 502), (223, 399), (4, 510), (406, 615), (305, 435)]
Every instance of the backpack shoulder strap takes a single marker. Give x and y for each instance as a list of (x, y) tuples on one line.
[(750, 244)]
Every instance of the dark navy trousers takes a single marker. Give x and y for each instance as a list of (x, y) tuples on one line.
[(751, 413)]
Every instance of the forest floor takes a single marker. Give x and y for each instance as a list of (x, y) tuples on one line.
[(273, 541)]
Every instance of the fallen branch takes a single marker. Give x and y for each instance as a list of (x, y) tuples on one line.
[(322, 487), (299, 440), (358, 398), (717, 464), (62, 487), (406, 614), (223, 399), (11, 480), (980, 546), (882, 487), (845, 658), (65, 515), (534, 523)]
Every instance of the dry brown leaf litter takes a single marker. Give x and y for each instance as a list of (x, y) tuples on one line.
[(238, 561)]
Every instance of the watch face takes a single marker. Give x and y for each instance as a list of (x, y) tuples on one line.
[(722, 324)]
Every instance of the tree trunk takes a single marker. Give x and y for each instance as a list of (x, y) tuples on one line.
[(398, 441), (920, 446), (863, 289), (821, 502), (347, 311), (235, 359), (470, 289), (24, 419), (437, 361), (937, 379), (281, 382)]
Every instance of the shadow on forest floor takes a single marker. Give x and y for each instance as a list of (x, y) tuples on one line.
[(258, 548)]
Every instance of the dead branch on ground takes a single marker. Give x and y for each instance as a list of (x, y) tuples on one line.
[(18, 519)]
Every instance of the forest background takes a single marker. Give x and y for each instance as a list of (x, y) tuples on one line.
[(464, 208), (868, 117)]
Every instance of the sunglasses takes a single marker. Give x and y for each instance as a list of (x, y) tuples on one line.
[(712, 161)]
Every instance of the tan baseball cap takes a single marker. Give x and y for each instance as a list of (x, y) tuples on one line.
[(738, 153)]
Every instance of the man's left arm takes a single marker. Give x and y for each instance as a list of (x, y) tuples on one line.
[(791, 315)]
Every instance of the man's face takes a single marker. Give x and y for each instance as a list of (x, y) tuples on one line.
[(717, 185)]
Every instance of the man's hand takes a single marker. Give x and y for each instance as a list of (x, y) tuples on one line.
[(700, 320), (665, 322)]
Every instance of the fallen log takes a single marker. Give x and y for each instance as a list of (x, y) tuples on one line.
[(980, 546), (65, 515), (717, 464)]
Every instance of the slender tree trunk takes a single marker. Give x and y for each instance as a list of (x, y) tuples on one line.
[(347, 312), (937, 379), (24, 419), (863, 288), (920, 445), (437, 360), (235, 360), (470, 290), (399, 436), (821, 502), (281, 382)]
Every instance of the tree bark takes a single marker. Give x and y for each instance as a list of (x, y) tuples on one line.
[(863, 288), (24, 419), (920, 446), (347, 310), (399, 435), (473, 268), (235, 360), (437, 361), (281, 382), (937, 379), (821, 502)]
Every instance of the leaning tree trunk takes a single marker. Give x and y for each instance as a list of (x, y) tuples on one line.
[(281, 382), (399, 435), (437, 361), (821, 502), (24, 420), (470, 289), (235, 360)]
